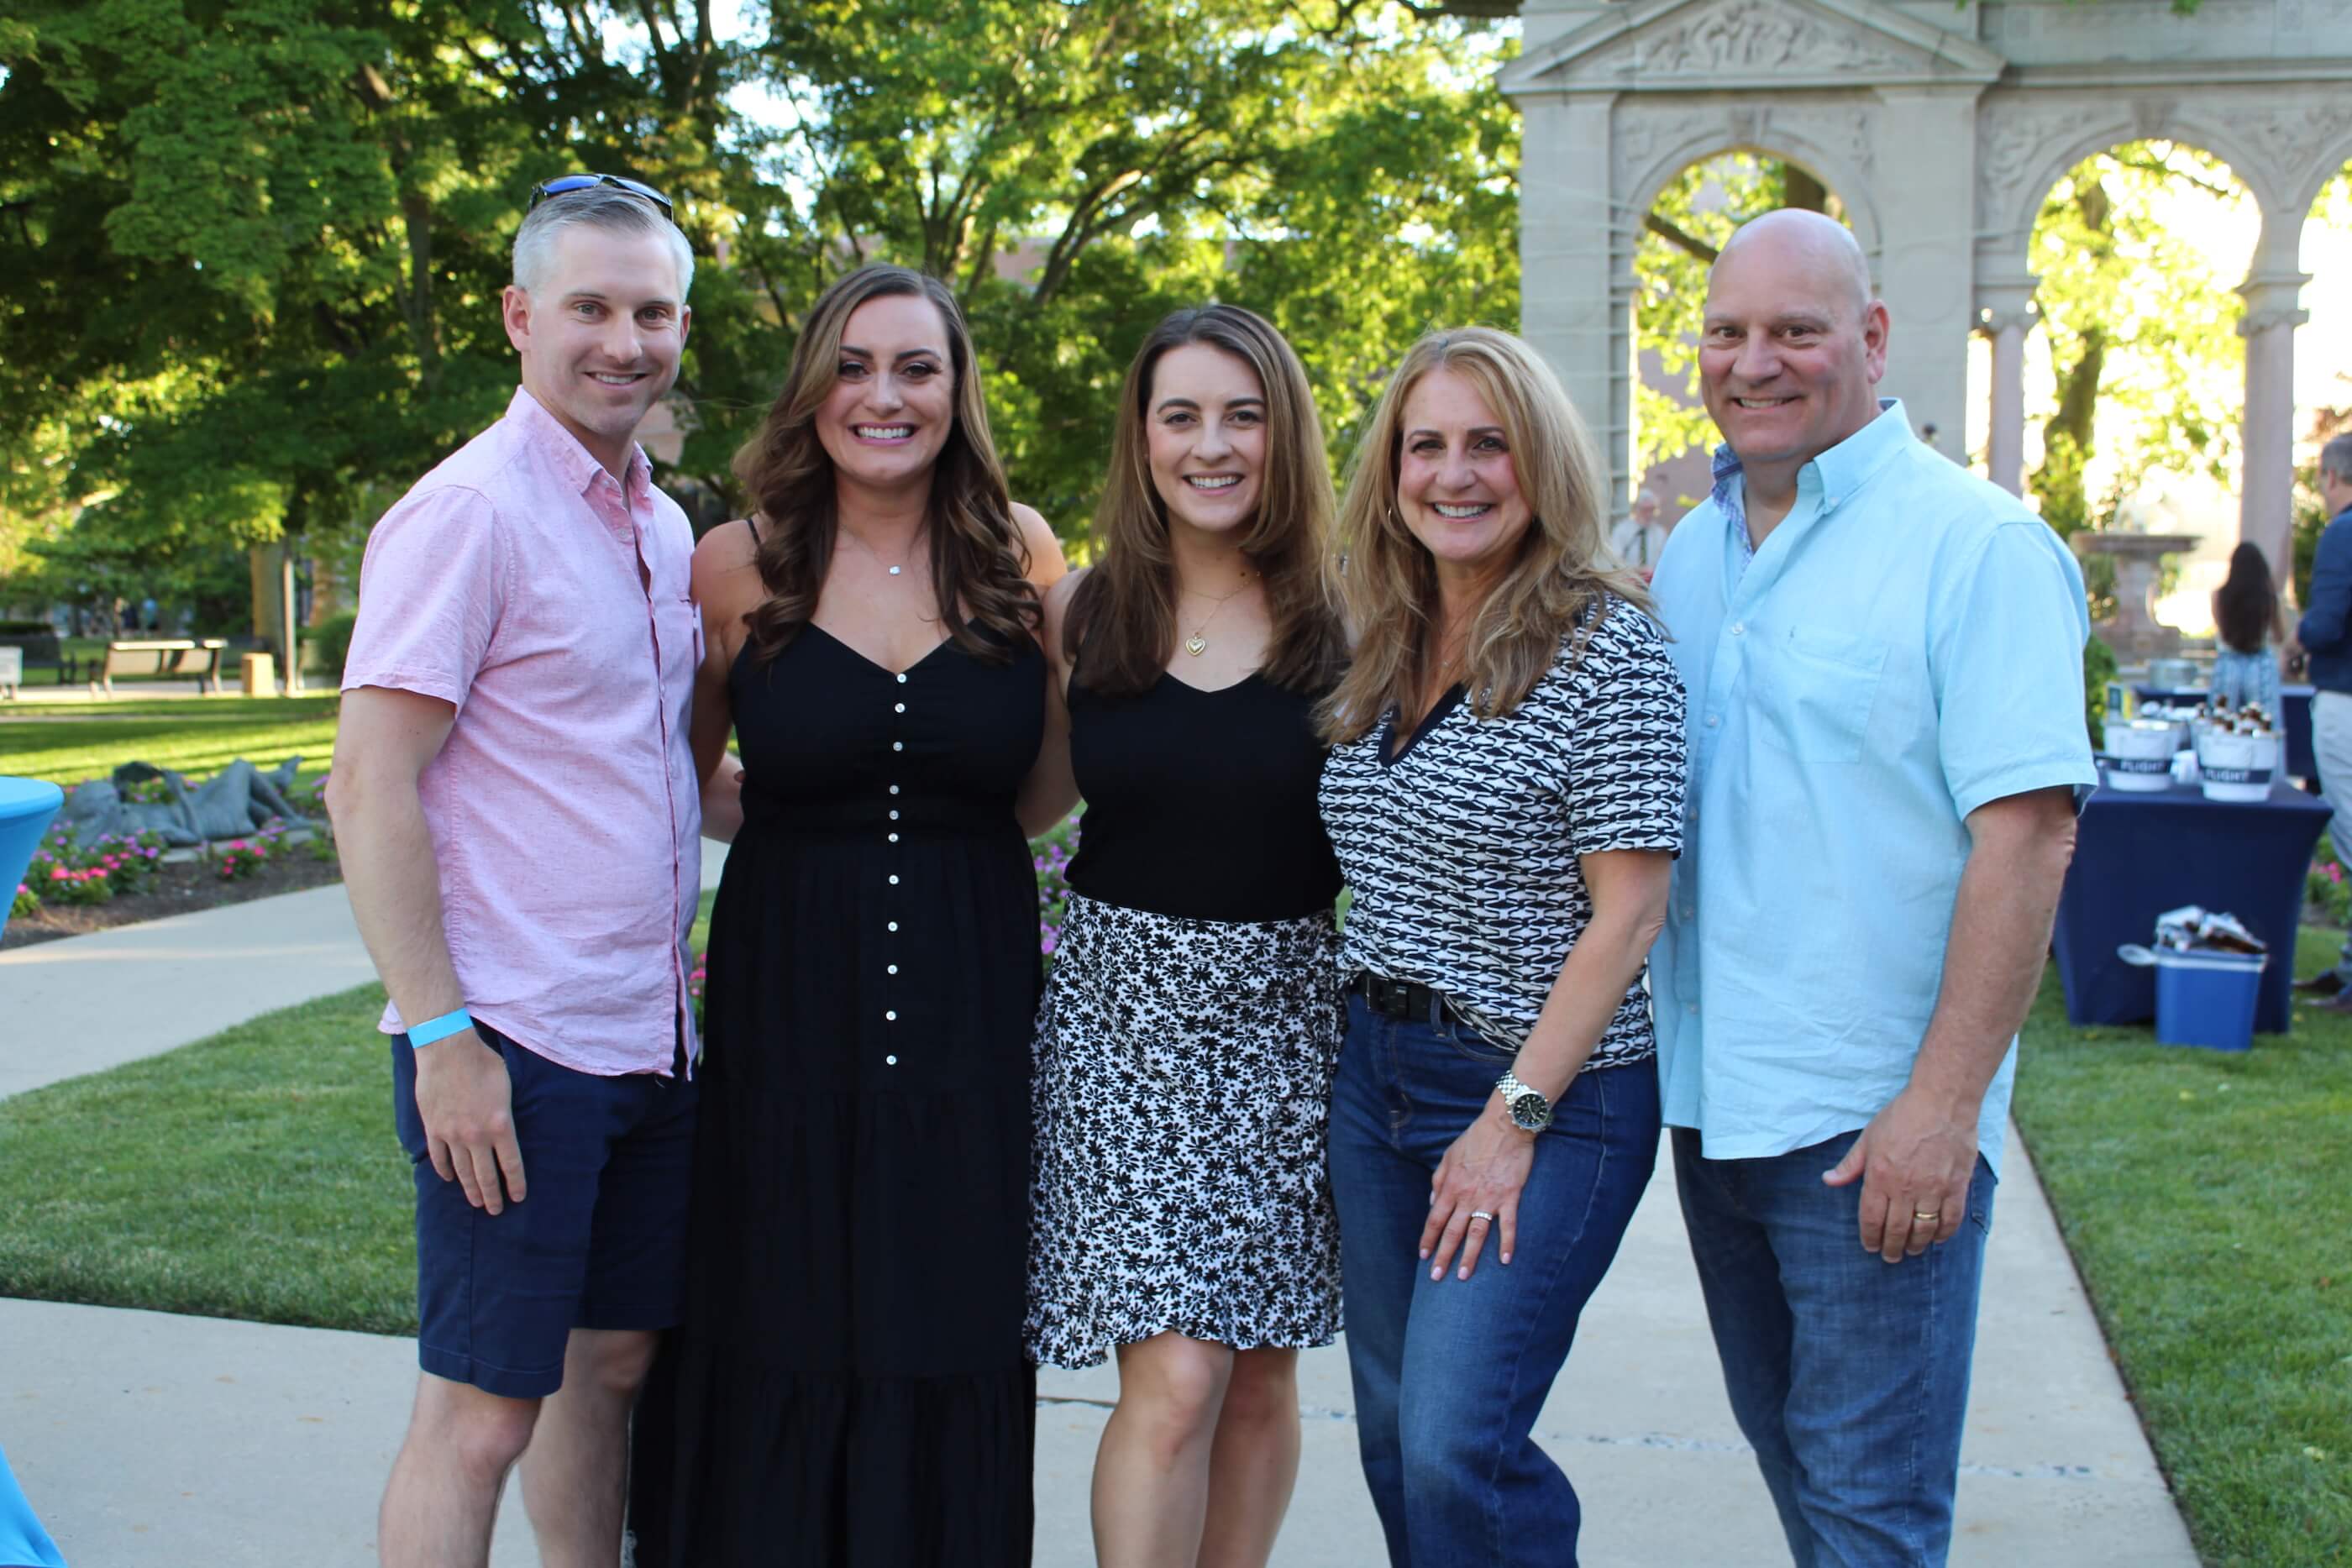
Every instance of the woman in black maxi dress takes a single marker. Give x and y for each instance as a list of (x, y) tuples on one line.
[(849, 1387)]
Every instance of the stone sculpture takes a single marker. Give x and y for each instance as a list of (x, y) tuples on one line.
[(239, 800)]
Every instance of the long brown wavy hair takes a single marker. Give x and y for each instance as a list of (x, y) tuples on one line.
[(977, 559), (2246, 605), (1559, 587), (1123, 613)]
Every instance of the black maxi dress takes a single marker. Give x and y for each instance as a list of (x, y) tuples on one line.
[(849, 1389)]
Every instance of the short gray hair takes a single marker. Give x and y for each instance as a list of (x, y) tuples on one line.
[(2335, 457), (600, 207)]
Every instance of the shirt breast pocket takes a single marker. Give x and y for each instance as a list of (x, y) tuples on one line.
[(1814, 691)]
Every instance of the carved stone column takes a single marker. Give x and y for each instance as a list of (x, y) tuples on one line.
[(1926, 269), (2266, 446), (2005, 446), (1576, 310), (2005, 314)]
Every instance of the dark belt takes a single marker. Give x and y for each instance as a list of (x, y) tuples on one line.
[(1405, 999)]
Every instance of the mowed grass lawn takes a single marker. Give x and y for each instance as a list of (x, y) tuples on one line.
[(253, 1174), (2207, 1199), (68, 742)]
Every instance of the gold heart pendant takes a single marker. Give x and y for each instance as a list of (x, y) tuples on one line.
[(1196, 645)]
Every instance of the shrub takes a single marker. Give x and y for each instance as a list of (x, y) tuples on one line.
[(2098, 669), (241, 859), (27, 902), (1050, 854), (67, 885), (331, 640), (66, 871), (2326, 887)]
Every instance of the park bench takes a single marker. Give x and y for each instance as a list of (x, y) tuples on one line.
[(34, 651), (200, 657)]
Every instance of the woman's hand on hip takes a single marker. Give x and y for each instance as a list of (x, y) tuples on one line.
[(1476, 1192)]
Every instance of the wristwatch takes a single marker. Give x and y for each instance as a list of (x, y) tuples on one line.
[(1530, 1111)]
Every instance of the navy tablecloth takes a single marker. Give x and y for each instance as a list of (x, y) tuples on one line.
[(2136, 856), (2295, 720)]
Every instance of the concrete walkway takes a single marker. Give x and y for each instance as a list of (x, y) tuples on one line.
[(147, 1440)]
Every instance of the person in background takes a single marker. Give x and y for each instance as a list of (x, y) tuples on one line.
[(1182, 1212), (2325, 634), (1884, 655), (1505, 792), (2248, 629), (1641, 537)]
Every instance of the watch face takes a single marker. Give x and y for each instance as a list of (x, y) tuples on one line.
[(1530, 1110)]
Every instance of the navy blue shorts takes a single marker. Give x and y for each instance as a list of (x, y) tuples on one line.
[(599, 1242)]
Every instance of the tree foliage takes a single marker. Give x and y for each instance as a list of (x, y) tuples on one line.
[(250, 250), (2142, 331)]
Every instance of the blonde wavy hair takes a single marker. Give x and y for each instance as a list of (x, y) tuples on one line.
[(1559, 588)]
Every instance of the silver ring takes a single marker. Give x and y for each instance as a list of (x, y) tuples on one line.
[(1482, 1214)]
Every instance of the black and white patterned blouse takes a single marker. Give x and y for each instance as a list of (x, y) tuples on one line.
[(1463, 851)]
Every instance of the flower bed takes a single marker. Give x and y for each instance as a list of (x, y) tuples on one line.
[(71, 878), (2326, 890), (1051, 854), (66, 871)]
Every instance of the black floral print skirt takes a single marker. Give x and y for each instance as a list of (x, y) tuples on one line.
[(1181, 1095)]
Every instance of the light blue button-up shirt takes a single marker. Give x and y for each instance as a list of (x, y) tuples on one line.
[(1905, 646)]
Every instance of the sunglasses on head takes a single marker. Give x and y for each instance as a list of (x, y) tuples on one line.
[(564, 185)]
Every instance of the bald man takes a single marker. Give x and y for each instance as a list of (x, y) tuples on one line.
[(1883, 659)]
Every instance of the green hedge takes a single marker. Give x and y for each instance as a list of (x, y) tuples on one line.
[(331, 640)]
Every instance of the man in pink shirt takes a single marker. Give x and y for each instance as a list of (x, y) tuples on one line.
[(519, 818)]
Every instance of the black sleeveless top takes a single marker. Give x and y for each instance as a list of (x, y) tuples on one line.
[(1201, 804)]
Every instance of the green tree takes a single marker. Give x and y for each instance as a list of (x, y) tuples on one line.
[(257, 247), (253, 247), (2142, 332), (1077, 171)]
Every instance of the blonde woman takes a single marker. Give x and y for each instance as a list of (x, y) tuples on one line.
[(1184, 1055), (1504, 793)]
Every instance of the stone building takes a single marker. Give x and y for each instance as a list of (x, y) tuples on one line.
[(1940, 127)]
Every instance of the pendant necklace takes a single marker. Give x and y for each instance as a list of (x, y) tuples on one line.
[(869, 550), (1198, 642)]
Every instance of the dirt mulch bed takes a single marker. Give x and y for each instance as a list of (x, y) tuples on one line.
[(181, 888)]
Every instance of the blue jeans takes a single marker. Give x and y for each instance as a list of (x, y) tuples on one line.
[(1450, 1375), (1849, 1374)]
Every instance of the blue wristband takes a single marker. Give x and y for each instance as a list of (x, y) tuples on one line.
[(441, 1028)]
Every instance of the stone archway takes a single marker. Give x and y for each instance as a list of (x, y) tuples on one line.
[(1940, 127)]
